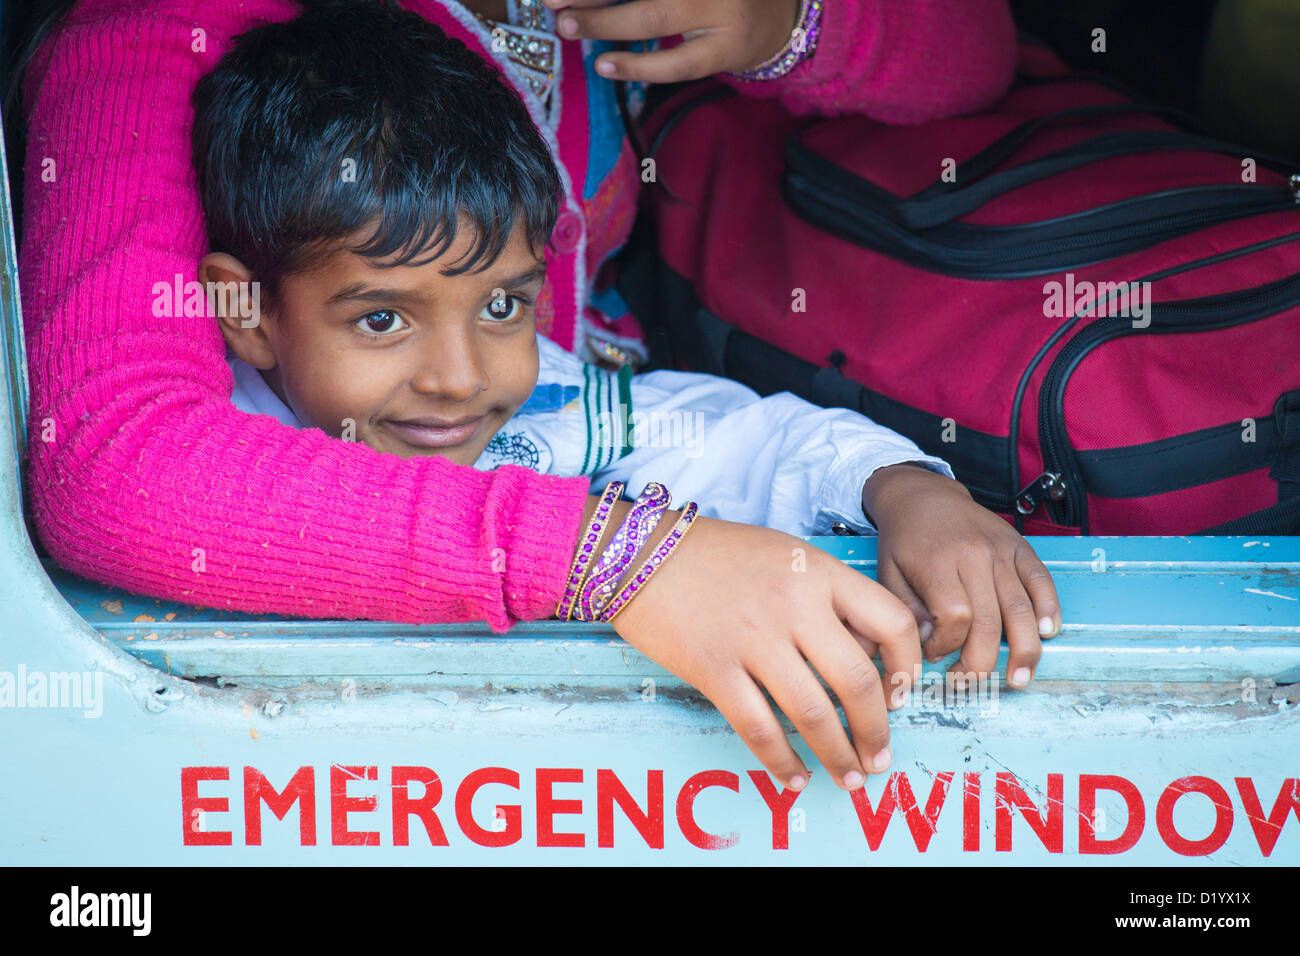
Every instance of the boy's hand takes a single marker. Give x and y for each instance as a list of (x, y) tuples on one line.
[(740, 609), (718, 35), (964, 572)]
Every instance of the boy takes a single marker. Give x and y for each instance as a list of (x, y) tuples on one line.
[(392, 199)]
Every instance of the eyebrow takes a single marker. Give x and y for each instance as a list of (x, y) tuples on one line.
[(363, 292)]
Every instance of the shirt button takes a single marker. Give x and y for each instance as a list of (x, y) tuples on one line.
[(568, 232)]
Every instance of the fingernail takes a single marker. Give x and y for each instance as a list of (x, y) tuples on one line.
[(853, 779), (605, 68), (568, 26), (926, 630), (1046, 626), (796, 783), (881, 760), (1020, 677)]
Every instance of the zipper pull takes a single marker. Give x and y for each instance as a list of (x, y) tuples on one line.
[(844, 531), (1046, 486), (1294, 185)]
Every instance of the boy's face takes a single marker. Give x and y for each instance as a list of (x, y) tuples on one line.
[(421, 363)]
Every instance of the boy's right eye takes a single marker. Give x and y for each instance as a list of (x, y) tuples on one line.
[(381, 322)]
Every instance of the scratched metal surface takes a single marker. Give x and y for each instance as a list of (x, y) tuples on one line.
[(1163, 609)]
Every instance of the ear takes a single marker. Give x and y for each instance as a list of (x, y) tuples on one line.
[(237, 298)]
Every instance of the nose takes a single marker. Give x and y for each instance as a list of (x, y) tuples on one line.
[(450, 366)]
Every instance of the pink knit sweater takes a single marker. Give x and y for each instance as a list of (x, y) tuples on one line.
[(155, 482)]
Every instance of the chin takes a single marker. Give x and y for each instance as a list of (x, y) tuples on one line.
[(457, 456)]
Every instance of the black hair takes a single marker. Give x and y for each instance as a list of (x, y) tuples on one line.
[(23, 30), (355, 115)]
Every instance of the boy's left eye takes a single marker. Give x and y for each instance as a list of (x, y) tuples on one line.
[(504, 308), (381, 322)]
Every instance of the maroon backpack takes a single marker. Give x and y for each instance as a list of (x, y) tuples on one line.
[(1089, 309)]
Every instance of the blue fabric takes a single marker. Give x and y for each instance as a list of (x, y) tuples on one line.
[(606, 126), (547, 398)]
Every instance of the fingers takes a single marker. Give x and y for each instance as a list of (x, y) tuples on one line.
[(949, 605), (700, 54), (852, 676), (1021, 626), (743, 706), (869, 647), (801, 696), (889, 575), (979, 655), (1038, 583), (873, 613), (576, 4), (638, 20), (689, 61)]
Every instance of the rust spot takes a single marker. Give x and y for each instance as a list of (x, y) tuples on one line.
[(253, 733), (152, 636), (112, 607), (169, 616), (144, 619)]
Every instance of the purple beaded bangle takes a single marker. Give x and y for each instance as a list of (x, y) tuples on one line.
[(622, 551), (808, 29), (588, 543), (656, 560)]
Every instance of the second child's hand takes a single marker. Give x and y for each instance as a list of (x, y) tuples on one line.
[(738, 609), (717, 35), (965, 573)]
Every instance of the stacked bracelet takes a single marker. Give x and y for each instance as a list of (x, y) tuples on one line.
[(803, 40), (587, 546), (656, 560), (628, 540)]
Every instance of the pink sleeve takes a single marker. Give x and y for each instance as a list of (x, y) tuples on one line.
[(154, 481), (901, 61)]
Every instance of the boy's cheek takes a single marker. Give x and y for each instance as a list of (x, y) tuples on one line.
[(333, 418)]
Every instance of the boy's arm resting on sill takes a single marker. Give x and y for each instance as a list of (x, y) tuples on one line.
[(779, 461), (900, 61), (155, 482)]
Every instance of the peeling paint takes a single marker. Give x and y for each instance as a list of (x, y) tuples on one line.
[(1284, 597)]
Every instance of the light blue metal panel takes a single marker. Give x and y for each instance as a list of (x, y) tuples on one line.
[(588, 710), (1171, 609)]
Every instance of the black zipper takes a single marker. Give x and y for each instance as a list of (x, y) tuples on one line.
[(839, 202), (1066, 497)]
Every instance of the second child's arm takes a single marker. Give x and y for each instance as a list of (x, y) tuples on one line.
[(897, 61)]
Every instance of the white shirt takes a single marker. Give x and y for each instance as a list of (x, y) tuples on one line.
[(779, 461)]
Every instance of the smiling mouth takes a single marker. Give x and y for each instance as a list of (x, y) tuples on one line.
[(435, 436)]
